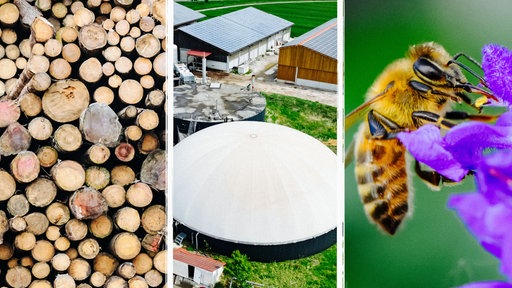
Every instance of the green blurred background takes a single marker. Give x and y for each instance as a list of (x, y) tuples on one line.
[(433, 249)]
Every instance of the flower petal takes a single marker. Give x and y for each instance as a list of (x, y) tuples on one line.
[(494, 177), (497, 66), (426, 145), (490, 284)]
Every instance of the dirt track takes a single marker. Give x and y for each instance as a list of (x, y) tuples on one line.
[(264, 68)]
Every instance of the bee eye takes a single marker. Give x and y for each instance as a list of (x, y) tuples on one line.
[(427, 69)]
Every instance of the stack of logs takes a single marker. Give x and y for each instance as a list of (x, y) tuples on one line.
[(82, 143)]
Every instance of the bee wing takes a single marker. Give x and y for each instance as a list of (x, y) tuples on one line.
[(360, 112)]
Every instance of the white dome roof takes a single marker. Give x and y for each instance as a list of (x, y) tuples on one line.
[(255, 183)]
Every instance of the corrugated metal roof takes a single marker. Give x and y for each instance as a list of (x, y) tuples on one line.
[(236, 30), (184, 15), (322, 39), (196, 260)]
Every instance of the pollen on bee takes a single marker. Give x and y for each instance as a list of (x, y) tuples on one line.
[(481, 101)]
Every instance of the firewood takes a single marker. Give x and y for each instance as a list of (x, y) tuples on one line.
[(93, 3), (7, 68), (115, 195), (142, 66), (143, 263), (154, 278), (127, 219), (52, 233), (133, 133), (125, 245), (147, 23), (105, 8), (52, 48), (79, 269), (71, 52), (41, 192), (41, 284), (122, 175), (154, 170), (9, 36), (88, 248), (43, 252), (6, 251), (18, 205), (125, 152), (127, 44), (115, 282), (60, 69), (112, 53), (30, 104), (41, 270), (159, 31), (72, 253), (97, 154), (137, 282), (25, 167), (158, 9), (126, 270), (100, 115), (42, 29), (68, 175), (97, 177), (155, 98), (117, 14), (65, 100), (130, 91), (37, 223), (9, 14), (76, 230), (83, 17), (92, 38), (25, 241), (18, 276), (47, 156), (17, 224), (67, 138), (160, 64), (153, 219), (61, 261), (59, 10), (147, 119), (147, 81), (113, 38), (122, 27), (67, 34), (27, 261), (105, 263), (139, 195), (115, 81), (143, 9), (64, 281), (75, 5), (14, 140), (160, 261), (98, 279), (147, 45), (62, 244), (87, 203), (27, 12), (123, 65), (58, 214), (148, 143), (4, 227), (101, 227), (128, 112), (132, 16), (90, 70), (7, 186), (40, 128), (108, 70), (44, 5), (12, 52), (135, 31)]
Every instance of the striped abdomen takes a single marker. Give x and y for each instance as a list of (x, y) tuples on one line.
[(381, 174)]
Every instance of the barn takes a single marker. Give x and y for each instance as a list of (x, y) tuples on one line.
[(184, 16), (232, 39), (264, 189), (311, 59), (198, 268)]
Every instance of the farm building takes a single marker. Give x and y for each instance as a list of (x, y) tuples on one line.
[(200, 269), (264, 189), (184, 15), (231, 40), (311, 59)]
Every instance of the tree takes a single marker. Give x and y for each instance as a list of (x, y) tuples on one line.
[(239, 267)]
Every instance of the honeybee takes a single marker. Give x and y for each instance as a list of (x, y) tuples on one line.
[(410, 92)]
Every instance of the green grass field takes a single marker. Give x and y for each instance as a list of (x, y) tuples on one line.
[(305, 16)]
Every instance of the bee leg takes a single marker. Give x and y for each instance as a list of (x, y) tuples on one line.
[(378, 123), (426, 116), (431, 177)]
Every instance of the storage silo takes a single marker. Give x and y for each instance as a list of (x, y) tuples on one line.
[(261, 188), (199, 106)]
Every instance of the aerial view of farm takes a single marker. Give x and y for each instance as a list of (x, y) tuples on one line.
[(254, 124)]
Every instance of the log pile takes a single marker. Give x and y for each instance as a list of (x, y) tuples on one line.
[(82, 143)]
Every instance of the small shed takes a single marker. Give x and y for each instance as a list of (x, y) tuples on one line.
[(311, 59), (234, 38), (198, 268)]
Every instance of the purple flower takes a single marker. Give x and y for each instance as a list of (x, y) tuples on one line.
[(497, 66), (487, 285)]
